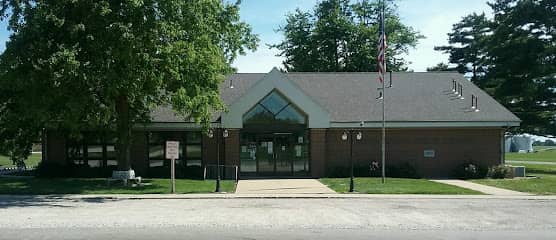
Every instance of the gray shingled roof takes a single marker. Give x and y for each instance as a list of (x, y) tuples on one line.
[(351, 97)]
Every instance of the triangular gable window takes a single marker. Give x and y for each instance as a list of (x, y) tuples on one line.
[(272, 109)]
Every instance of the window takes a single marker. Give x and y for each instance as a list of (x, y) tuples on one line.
[(190, 148), (111, 158), (156, 149), (94, 146), (274, 108), (75, 152), (93, 149)]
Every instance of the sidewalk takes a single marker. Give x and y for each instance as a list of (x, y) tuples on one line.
[(481, 188), (530, 162)]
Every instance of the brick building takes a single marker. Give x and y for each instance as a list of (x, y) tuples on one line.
[(291, 125)]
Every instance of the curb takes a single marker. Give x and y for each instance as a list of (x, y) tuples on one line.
[(224, 196)]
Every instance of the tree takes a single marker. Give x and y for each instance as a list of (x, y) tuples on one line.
[(522, 52), (99, 64), (467, 46), (440, 67), (513, 58), (342, 36)]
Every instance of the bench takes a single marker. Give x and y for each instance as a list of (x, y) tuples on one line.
[(124, 176)]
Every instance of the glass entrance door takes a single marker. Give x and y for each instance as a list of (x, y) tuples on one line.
[(274, 154), (283, 155), (264, 155)]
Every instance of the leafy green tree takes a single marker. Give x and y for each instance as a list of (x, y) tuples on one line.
[(522, 52), (440, 67), (339, 35), (104, 64), (513, 57), (467, 45), (301, 53)]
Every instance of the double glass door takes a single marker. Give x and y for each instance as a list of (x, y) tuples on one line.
[(274, 154)]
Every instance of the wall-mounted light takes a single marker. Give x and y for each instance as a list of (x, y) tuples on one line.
[(210, 133)]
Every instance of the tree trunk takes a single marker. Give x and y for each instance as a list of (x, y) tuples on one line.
[(124, 133)]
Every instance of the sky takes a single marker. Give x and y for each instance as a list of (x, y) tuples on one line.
[(432, 18)]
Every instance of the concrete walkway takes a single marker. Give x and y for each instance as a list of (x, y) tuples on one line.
[(529, 162), (481, 188), (282, 186)]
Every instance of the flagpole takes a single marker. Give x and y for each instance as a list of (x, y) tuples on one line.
[(383, 103)]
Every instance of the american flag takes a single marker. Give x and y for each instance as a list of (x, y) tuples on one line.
[(381, 49)]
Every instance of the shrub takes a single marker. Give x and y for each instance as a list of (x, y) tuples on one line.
[(55, 170), (469, 170), (499, 171), (84, 171), (52, 170), (359, 170), (189, 172), (404, 170)]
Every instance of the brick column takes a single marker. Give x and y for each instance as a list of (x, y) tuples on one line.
[(56, 148), (210, 149), (231, 148), (318, 152)]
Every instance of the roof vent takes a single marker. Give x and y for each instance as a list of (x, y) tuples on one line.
[(477, 104), (472, 101), (390, 85), (231, 82), (461, 92), (454, 86)]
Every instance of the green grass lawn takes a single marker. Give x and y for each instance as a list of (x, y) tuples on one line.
[(542, 154), (545, 184), (99, 186), (32, 161), (394, 186)]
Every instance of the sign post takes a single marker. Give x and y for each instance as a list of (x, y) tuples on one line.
[(173, 153)]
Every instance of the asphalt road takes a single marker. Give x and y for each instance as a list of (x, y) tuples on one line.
[(38, 218)]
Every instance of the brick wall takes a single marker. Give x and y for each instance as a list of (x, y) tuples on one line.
[(451, 146), (317, 160), (231, 145)]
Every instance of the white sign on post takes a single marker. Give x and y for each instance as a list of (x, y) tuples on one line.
[(173, 153), (172, 149)]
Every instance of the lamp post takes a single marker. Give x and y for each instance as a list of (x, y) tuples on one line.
[(359, 136), (211, 135)]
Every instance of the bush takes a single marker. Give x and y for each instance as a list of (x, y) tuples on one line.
[(84, 171), (405, 170), (52, 170), (359, 170), (187, 172), (469, 170), (55, 170), (499, 172)]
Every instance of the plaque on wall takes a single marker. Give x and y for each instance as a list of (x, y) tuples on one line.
[(429, 153)]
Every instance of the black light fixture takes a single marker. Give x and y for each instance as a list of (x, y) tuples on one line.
[(350, 134), (225, 134)]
